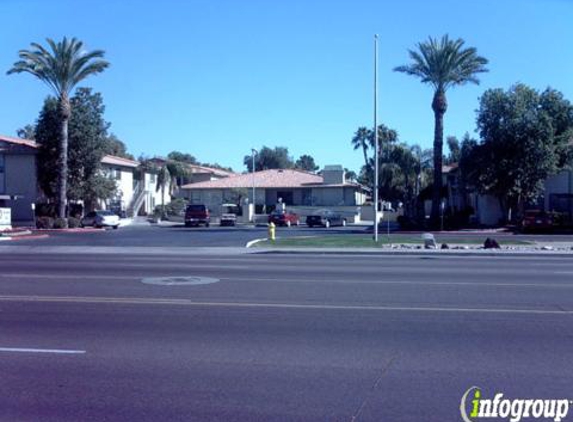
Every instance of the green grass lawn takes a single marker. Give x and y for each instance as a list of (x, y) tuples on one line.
[(365, 241)]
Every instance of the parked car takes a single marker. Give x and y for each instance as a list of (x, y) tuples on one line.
[(196, 215), (229, 214), (537, 220), (325, 218), (284, 218), (101, 218)]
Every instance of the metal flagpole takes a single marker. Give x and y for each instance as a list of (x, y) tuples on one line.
[(376, 138)]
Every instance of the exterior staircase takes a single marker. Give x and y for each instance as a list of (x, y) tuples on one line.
[(137, 200)]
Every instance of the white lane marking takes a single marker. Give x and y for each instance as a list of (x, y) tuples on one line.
[(27, 350), (398, 282), (187, 302), (254, 242), (78, 277)]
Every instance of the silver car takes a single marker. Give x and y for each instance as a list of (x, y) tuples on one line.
[(100, 218)]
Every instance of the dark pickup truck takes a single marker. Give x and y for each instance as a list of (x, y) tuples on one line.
[(196, 215)]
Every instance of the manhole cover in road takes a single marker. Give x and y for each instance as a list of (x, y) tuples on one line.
[(179, 281)]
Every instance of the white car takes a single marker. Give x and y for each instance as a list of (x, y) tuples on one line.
[(100, 218)]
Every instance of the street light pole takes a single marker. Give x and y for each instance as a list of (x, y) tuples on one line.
[(253, 153), (376, 138)]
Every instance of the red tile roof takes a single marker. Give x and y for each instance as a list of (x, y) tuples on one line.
[(18, 141), (286, 178), (119, 161)]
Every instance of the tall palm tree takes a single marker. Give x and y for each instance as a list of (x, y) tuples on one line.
[(62, 67), (443, 64), (386, 138), (361, 140)]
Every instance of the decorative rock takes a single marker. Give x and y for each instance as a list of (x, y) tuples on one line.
[(491, 244), (445, 246), (429, 241)]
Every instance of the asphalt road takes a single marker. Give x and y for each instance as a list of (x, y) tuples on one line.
[(215, 236), (279, 337)]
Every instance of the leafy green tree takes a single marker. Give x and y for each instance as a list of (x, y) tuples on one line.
[(443, 64), (267, 158), (114, 146), (182, 157), (87, 146), (525, 137), (217, 166), (27, 132), (306, 162), (454, 148), (386, 137), (61, 69), (350, 175)]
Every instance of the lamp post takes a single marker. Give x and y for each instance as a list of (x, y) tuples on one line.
[(376, 138), (253, 153)]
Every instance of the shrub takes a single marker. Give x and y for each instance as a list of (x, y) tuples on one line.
[(46, 210), (176, 207), (406, 223), (45, 223), (60, 223), (73, 222)]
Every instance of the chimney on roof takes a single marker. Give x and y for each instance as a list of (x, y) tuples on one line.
[(333, 175)]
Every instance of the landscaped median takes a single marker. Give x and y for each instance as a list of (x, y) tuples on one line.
[(410, 243), (405, 241)]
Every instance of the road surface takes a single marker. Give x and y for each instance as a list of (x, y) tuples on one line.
[(278, 337)]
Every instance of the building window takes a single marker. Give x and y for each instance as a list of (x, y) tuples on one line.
[(2, 174)]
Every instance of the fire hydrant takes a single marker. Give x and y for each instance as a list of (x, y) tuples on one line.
[(272, 231)]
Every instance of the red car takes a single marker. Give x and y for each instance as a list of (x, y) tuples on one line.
[(284, 218), (535, 220)]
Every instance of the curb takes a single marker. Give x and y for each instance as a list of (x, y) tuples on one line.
[(436, 253), (77, 230), (25, 237)]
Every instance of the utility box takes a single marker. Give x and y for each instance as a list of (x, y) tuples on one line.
[(5, 218)]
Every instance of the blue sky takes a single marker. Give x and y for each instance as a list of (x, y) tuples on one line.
[(216, 78)]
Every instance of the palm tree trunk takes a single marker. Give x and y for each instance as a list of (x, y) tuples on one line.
[(439, 105), (365, 151), (65, 113)]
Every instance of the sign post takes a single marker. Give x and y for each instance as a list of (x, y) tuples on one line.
[(5, 218)]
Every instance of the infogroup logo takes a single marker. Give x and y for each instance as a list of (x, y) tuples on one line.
[(474, 407)]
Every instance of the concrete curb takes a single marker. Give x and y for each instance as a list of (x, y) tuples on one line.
[(25, 237), (75, 230), (417, 252)]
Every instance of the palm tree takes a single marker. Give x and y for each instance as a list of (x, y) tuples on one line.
[(62, 67), (386, 138), (163, 180), (360, 140), (443, 64)]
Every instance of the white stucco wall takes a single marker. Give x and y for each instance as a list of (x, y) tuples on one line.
[(488, 210), (561, 183), (20, 179), (154, 195)]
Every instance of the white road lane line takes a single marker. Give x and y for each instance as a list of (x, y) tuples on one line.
[(190, 303), (28, 350), (400, 282)]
